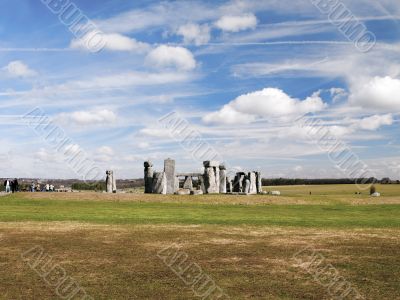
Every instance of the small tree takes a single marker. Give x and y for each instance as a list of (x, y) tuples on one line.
[(372, 190)]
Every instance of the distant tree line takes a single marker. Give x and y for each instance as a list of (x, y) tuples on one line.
[(299, 181), (89, 186)]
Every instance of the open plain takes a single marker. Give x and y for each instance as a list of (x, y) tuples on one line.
[(110, 243)]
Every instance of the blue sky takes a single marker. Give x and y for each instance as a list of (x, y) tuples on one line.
[(240, 72)]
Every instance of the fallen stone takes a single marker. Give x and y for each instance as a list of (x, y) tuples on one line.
[(183, 192), (196, 192)]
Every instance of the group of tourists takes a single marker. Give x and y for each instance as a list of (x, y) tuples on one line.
[(11, 186)]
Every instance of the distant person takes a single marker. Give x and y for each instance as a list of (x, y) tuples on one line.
[(51, 188), (16, 185), (33, 186), (47, 187), (7, 186)]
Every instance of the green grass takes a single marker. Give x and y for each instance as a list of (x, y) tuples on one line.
[(16, 209)]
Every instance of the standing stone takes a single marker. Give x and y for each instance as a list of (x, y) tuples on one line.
[(169, 169), (259, 183), (236, 184), (211, 177), (109, 181), (148, 177), (188, 184), (229, 186), (209, 181), (176, 184), (159, 183), (246, 187), (242, 182), (222, 179), (202, 185), (253, 183), (114, 183), (217, 180)]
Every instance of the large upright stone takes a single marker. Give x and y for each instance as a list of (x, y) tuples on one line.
[(246, 186), (239, 182), (209, 181), (222, 179), (253, 183), (211, 177), (170, 174), (202, 184), (236, 184), (109, 181), (229, 186), (148, 177), (259, 183), (159, 183), (114, 183), (188, 184)]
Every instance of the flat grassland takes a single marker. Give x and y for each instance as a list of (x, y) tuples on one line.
[(109, 243)]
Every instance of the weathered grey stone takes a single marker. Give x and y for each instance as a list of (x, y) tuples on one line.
[(246, 187), (253, 183), (210, 181), (188, 184), (211, 163), (242, 182), (229, 186), (217, 181), (159, 183), (238, 182), (222, 179), (189, 174), (114, 183), (169, 169), (259, 183), (201, 184), (109, 181), (148, 164), (183, 192), (275, 193), (196, 192), (148, 177)]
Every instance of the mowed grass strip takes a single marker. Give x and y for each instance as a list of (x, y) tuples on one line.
[(18, 208)]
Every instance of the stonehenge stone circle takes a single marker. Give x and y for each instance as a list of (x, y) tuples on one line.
[(213, 180)]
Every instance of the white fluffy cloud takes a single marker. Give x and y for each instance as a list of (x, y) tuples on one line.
[(112, 42), (168, 56), (380, 93), (18, 69), (237, 23), (95, 117), (375, 122), (267, 103), (194, 33), (104, 154)]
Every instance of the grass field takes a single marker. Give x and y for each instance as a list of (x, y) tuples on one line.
[(109, 243)]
